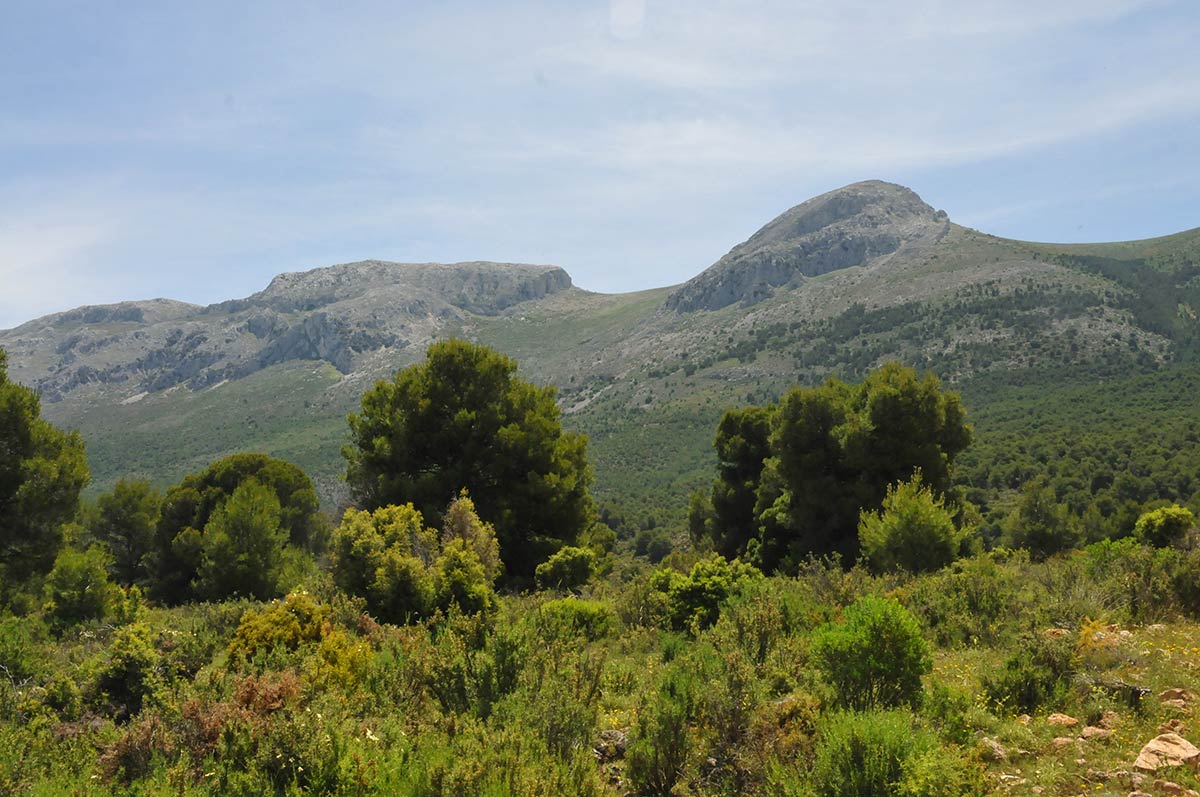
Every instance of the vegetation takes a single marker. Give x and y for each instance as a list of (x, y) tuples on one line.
[(395, 660), (42, 471), (460, 420), (831, 452)]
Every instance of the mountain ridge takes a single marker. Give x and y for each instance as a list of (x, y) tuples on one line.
[(645, 374)]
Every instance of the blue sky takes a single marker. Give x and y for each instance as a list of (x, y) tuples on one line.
[(194, 150)]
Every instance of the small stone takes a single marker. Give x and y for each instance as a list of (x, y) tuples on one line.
[(1062, 742), (1172, 789), (1064, 720), (1176, 694), (1091, 732), (1038, 789), (1139, 794), (1109, 720), (1024, 719), (1173, 726)]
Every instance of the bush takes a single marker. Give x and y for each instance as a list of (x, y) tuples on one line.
[(1164, 526), (394, 561), (571, 617), (78, 589), (875, 657), (865, 754), (295, 619), (1040, 524), (659, 743), (568, 569), (695, 600), (131, 673), (914, 531), (1036, 676)]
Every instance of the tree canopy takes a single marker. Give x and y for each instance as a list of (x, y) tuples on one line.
[(462, 419), (831, 452), (42, 471), (189, 506)]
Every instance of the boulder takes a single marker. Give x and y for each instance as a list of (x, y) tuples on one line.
[(1167, 750)]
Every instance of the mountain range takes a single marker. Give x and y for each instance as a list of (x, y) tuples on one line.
[(831, 287)]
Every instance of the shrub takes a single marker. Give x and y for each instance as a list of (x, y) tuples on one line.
[(130, 674), (1036, 676), (659, 743), (78, 588), (568, 569), (875, 657), (289, 622), (571, 617), (914, 531), (865, 754), (694, 601), (460, 579), (1164, 526)]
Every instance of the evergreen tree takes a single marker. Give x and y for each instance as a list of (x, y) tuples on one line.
[(42, 471), (463, 419)]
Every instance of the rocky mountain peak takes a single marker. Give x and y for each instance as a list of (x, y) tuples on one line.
[(857, 225), (480, 287)]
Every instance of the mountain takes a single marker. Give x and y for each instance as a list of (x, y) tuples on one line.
[(833, 286)]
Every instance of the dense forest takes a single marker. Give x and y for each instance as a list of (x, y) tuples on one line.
[(872, 598)]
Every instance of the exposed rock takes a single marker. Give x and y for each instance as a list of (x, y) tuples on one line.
[(338, 314), (1109, 720), (1172, 789), (1091, 732), (1063, 720), (860, 224), (1174, 725), (992, 750), (1167, 750), (1062, 742), (1176, 698)]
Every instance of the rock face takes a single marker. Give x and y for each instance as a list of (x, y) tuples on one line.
[(337, 314), (861, 224)]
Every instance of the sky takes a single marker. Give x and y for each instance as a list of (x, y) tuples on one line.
[(194, 150)]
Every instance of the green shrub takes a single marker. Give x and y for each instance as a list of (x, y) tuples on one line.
[(865, 754), (130, 673), (289, 622), (694, 601), (875, 657), (913, 532), (568, 569), (78, 589), (1040, 524), (1164, 526), (572, 617), (1036, 676), (242, 546), (938, 772), (660, 742)]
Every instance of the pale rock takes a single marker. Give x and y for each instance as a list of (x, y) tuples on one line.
[(1064, 720), (1167, 750)]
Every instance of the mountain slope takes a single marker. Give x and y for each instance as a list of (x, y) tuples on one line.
[(833, 286)]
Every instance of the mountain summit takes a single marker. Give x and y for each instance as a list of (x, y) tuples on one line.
[(861, 224)]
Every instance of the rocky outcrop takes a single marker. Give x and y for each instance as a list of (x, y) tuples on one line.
[(336, 314), (853, 226)]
